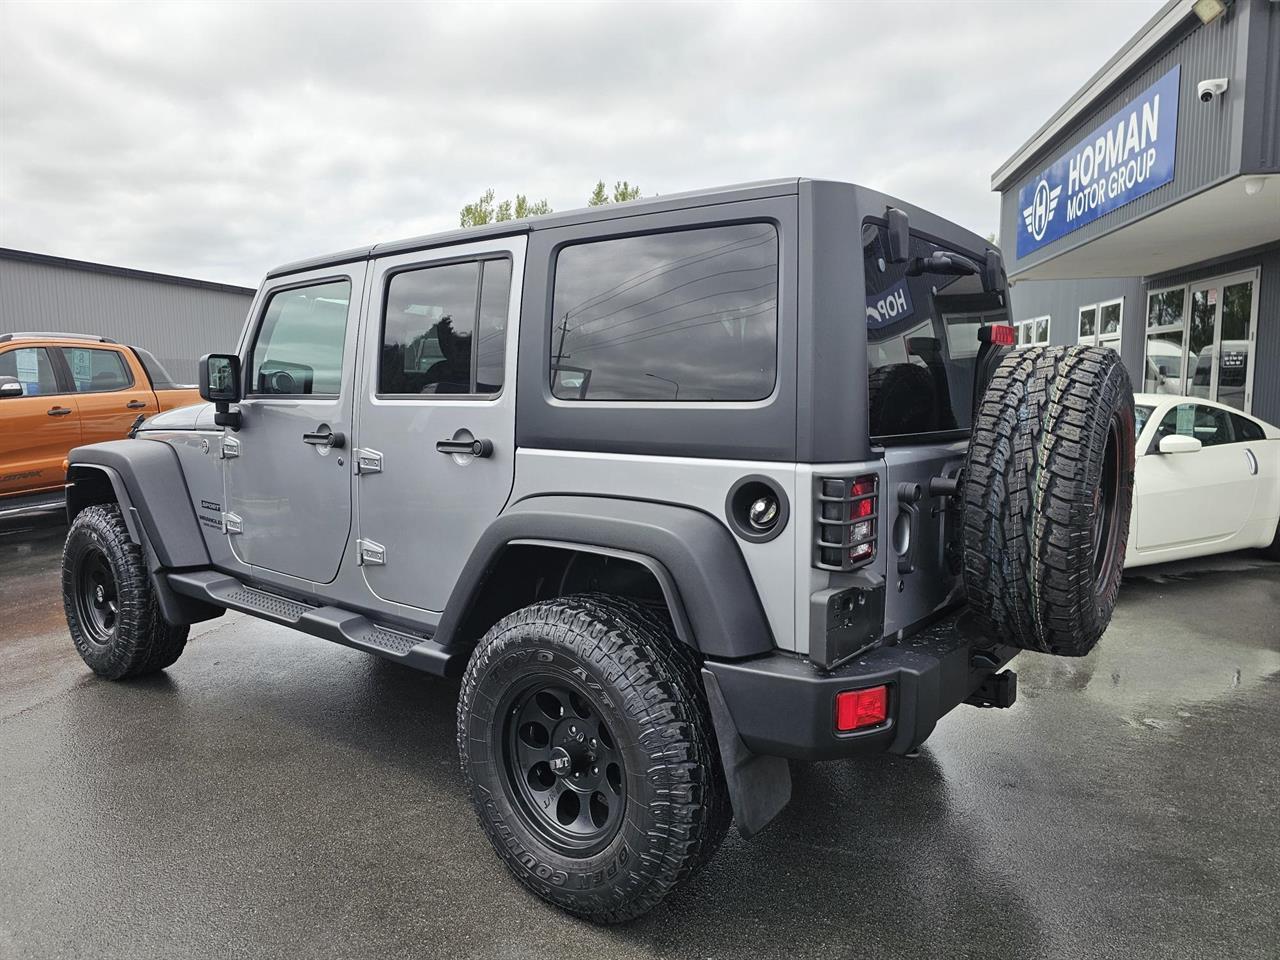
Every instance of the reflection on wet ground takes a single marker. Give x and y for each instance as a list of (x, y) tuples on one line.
[(273, 795)]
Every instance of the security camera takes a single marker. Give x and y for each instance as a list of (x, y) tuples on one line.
[(1208, 89)]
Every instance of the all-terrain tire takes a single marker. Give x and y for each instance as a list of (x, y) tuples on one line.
[(625, 670), (112, 613), (1047, 496)]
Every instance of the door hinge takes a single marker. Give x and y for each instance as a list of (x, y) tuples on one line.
[(231, 524), (230, 448), (368, 461), (371, 554)]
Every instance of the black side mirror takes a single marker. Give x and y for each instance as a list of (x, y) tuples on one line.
[(10, 387), (220, 384), (899, 231), (994, 279), (220, 378)]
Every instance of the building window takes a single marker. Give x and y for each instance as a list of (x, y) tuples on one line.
[(1101, 323), (1033, 332), (682, 316)]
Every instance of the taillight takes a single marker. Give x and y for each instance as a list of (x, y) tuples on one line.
[(1001, 334), (859, 709), (847, 509)]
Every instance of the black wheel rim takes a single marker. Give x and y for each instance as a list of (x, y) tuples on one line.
[(97, 600), (562, 765), (1106, 520)]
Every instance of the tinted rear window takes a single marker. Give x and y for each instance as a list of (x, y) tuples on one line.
[(922, 340), (679, 316)]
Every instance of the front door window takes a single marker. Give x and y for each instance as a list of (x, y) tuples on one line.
[(299, 348)]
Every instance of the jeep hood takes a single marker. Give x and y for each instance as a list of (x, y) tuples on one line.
[(198, 416)]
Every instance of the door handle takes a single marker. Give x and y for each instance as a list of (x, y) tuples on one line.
[(1253, 462), (136, 404), (59, 411), (472, 448), (327, 438)]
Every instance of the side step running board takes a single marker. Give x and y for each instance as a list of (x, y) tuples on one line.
[(330, 623)]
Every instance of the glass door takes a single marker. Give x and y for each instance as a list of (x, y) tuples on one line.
[(1200, 339), (1237, 331)]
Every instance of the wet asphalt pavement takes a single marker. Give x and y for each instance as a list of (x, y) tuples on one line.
[(272, 795)]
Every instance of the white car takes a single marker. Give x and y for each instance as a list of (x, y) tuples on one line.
[(1207, 480)]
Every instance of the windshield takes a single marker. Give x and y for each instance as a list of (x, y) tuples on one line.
[(922, 340), (1141, 414)]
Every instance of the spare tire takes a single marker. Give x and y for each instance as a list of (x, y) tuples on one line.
[(1047, 493), (902, 400)]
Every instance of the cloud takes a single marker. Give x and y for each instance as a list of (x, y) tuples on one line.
[(219, 140)]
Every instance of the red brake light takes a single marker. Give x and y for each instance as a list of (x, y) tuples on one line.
[(857, 709), (1002, 335), (847, 509)]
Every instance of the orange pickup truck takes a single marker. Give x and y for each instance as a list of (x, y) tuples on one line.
[(58, 391)]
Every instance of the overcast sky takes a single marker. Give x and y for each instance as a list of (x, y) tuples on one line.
[(218, 140)]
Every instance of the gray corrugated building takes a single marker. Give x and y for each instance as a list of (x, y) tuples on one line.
[(1145, 213), (176, 318)]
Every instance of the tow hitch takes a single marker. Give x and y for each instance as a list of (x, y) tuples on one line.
[(997, 690)]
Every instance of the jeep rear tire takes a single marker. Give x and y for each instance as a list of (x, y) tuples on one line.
[(1047, 495), (587, 745), (112, 613)]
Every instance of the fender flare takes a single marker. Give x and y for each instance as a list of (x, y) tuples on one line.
[(146, 478), (693, 556)]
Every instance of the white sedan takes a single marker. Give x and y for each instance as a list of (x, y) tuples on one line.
[(1207, 480)]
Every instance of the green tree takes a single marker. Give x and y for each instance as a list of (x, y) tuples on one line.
[(539, 208), (485, 210), (622, 192)]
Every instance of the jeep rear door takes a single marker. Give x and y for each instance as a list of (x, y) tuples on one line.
[(287, 475), (436, 419)]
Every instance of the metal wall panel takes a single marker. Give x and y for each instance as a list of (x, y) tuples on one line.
[(1208, 138), (1062, 300), (1266, 360), (176, 321), (1261, 152)]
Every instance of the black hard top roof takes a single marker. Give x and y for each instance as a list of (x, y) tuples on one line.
[(608, 211)]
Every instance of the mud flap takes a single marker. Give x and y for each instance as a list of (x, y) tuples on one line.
[(759, 786)]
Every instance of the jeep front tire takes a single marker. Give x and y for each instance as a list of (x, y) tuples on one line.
[(114, 619), (1047, 495), (587, 745)]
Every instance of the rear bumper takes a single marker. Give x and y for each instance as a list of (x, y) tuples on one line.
[(782, 706)]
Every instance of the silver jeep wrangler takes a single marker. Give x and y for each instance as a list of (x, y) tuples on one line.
[(682, 489)]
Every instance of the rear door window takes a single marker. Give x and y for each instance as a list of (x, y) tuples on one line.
[(922, 340), (97, 371), (681, 316), (445, 329)]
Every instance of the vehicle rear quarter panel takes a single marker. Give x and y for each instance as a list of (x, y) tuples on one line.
[(702, 484)]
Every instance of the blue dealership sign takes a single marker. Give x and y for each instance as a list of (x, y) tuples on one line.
[(1126, 157)]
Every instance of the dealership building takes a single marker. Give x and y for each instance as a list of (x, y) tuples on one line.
[(1144, 215), (177, 319)]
